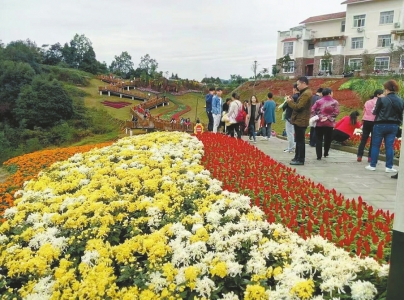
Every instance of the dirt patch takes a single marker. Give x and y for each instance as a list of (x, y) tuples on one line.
[(3, 175)]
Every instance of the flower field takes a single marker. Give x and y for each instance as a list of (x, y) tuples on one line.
[(144, 219), (115, 104)]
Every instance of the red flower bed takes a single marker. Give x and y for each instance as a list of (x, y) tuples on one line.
[(115, 104), (295, 201)]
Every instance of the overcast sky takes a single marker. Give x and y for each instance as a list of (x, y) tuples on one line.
[(189, 37)]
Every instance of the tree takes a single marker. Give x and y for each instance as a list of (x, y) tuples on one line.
[(148, 64), (24, 51), (275, 70), (79, 45), (13, 76), (53, 55), (284, 63), (368, 63), (122, 64), (326, 62), (89, 62), (44, 103)]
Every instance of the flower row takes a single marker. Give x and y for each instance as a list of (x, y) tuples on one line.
[(142, 219), (295, 201)]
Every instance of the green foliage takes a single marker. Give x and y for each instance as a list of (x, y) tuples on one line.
[(24, 51), (122, 64), (68, 75), (43, 103), (13, 76)]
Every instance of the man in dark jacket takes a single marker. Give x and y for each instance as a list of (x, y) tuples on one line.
[(300, 118), (208, 99)]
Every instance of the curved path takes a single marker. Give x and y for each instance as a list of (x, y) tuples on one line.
[(340, 171)]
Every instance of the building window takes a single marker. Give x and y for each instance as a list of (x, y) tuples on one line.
[(386, 17), (290, 68), (357, 43), (325, 65), (288, 48), (359, 21), (327, 43), (355, 64), (384, 40), (343, 26), (382, 63)]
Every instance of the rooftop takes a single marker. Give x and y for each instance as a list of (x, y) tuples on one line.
[(354, 1), (327, 17)]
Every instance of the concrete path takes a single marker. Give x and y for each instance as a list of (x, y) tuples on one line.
[(340, 171)]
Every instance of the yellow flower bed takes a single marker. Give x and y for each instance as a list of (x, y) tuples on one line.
[(142, 219)]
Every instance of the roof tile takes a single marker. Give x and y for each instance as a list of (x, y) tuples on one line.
[(327, 17)]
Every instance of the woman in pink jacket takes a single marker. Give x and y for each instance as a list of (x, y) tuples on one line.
[(368, 120), (327, 109)]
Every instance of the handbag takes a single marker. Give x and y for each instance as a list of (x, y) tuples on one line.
[(240, 115), (313, 121)]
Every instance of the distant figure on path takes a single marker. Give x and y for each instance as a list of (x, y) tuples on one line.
[(368, 120), (269, 116), (217, 109), (208, 99)]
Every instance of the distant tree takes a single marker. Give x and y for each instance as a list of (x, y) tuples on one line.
[(326, 62), (44, 103), (368, 63), (148, 64), (53, 55), (80, 44), (24, 51), (13, 76), (284, 63), (275, 70), (89, 62), (122, 64)]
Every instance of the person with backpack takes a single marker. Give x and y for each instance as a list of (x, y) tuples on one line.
[(235, 115), (269, 116)]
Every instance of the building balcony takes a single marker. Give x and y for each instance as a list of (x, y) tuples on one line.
[(309, 53), (333, 50)]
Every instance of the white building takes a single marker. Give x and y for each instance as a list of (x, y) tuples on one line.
[(367, 26)]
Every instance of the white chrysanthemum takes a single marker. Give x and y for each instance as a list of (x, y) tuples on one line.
[(48, 236), (229, 296), (90, 258), (157, 281), (10, 212), (3, 239), (84, 182), (363, 290), (204, 286), (214, 218), (42, 289), (33, 218)]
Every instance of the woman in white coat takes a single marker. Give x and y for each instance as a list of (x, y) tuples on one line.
[(234, 110)]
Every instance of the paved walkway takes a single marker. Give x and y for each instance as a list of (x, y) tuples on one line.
[(340, 171)]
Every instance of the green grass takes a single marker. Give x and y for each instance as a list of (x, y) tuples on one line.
[(93, 100)]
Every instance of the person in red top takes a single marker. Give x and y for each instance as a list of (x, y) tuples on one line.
[(345, 127)]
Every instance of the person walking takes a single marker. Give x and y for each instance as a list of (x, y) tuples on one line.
[(345, 128), (234, 109), (217, 109), (253, 118), (389, 115), (314, 98), (368, 121), (327, 109), (289, 129), (269, 116), (208, 99), (300, 118)]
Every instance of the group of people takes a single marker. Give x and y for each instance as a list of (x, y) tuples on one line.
[(236, 117), (184, 123), (382, 117)]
